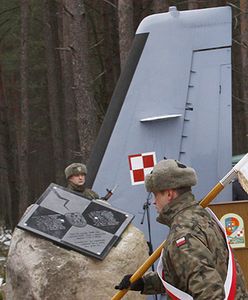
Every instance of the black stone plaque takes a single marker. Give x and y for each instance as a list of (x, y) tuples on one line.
[(90, 227)]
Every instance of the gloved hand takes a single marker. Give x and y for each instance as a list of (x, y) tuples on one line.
[(125, 283)]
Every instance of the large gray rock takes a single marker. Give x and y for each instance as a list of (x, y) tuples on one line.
[(39, 270)]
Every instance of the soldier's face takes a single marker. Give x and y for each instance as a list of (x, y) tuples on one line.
[(77, 179), (162, 198)]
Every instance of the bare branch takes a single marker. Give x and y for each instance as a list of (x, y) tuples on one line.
[(98, 76), (110, 3), (96, 44), (63, 48), (240, 100)]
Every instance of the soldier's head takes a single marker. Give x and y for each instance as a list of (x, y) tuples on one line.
[(75, 173), (169, 179)]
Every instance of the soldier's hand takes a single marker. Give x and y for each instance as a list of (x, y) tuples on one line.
[(125, 283)]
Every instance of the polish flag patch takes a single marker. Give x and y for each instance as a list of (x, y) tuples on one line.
[(140, 165), (181, 241)]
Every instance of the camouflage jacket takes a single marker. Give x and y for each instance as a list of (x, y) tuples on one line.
[(85, 192), (198, 266)]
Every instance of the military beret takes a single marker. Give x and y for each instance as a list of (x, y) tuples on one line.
[(170, 174), (75, 169)]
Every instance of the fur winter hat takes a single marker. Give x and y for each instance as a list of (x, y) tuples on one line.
[(75, 169), (170, 174)]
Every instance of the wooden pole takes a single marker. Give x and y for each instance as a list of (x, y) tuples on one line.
[(204, 203), (156, 254), (141, 270)]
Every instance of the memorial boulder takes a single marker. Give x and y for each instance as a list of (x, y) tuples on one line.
[(39, 269)]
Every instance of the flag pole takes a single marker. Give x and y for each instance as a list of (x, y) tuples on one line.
[(204, 203)]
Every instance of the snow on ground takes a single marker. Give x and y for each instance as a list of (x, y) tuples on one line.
[(5, 239)]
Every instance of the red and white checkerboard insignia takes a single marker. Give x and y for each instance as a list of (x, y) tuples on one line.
[(140, 165), (181, 241)]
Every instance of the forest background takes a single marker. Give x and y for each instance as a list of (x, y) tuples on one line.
[(59, 63)]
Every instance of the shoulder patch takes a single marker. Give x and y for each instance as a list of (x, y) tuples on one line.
[(181, 241)]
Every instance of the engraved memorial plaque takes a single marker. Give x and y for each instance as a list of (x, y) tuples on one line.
[(90, 227)]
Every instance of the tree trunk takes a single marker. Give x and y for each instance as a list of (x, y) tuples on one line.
[(146, 8), (24, 127), (71, 140), (5, 196), (215, 3), (193, 4), (238, 104), (126, 30), (54, 95), (104, 50), (138, 13), (11, 110), (111, 57), (87, 120), (160, 6), (244, 63)]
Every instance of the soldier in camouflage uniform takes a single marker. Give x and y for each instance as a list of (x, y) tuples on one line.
[(195, 255), (75, 176)]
